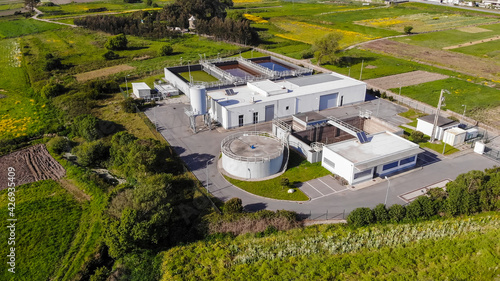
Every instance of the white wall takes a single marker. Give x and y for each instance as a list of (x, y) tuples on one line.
[(426, 128), (343, 167)]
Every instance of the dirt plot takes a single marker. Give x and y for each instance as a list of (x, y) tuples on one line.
[(405, 79), (462, 63), (82, 77), (30, 164)]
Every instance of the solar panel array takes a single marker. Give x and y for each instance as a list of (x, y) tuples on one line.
[(362, 137), (230, 92)]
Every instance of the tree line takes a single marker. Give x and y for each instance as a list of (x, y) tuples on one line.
[(472, 192)]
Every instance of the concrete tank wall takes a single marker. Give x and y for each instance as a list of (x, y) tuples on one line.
[(198, 99), (252, 170)]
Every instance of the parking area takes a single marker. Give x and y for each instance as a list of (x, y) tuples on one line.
[(321, 187)]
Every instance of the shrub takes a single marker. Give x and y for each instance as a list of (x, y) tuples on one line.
[(52, 63), (360, 217), (397, 213), (149, 2), (233, 206), (417, 136), (118, 42), (59, 145), (408, 29), (92, 153), (285, 182), (110, 55), (414, 210), (381, 214), (52, 90), (307, 54), (86, 126), (165, 50), (128, 105)]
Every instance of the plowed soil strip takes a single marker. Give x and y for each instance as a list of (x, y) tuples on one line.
[(405, 79), (462, 63), (30, 164), (82, 77)]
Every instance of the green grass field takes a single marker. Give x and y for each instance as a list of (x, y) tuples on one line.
[(490, 50), (48, 218), (299, 170), (462, 92), (452, 37), (21, 26), (82, 8)]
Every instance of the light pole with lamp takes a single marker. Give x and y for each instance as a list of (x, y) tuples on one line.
[(189, 70), (378, 104), (387, 192), (181, 60), (399, 99), (206, 170), (465, 108), (126, 83)]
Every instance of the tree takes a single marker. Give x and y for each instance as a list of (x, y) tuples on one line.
[(327, 48), (360, 217), (381, 214), (165, 50), (128, 105), (417, 136), (397, 213), (31, 4), (92, 153), (285, 182), (408, 29), (59, 145), (233, 206), (118, 42), (86, 126), (110, 55)]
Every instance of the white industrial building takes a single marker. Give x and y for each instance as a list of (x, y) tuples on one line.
[(265, 100), (426, 123), (141, 90), (384, 153)]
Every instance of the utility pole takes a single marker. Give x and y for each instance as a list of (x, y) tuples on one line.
[(361, 72), (126, 83), (387, 192), (206, 170), (441, 100)]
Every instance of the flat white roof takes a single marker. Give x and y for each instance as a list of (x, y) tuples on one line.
[(295, 87), (383, 148), (456, 131), (141, 86)]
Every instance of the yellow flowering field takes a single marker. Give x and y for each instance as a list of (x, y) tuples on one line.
[(255, 19), (309, 33), (424, 22)]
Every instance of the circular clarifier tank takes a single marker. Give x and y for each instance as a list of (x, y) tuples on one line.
[(252, 155)]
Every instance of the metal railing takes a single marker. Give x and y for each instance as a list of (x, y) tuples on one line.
[(226, 142)]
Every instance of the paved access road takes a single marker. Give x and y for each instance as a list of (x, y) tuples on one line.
[(198, 149)]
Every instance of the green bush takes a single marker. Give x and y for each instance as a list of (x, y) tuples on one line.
[(59, 145), (52, 89), (417, 136), (128, 105), (408, 29), (165, 50), (110, 55), (233, 206), (118, 42), (92, 153), (360, 217), (381, 214), (414, 210), (86, 126), (397, 213)]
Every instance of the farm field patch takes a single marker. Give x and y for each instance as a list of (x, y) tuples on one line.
[(48, 218), (476, 97), (424, 22), (405, 79), (490, 50), (31, 164), (20, 27), (103, 72), (466, 64)]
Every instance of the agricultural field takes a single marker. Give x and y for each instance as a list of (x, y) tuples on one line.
[(19, 26), (489, 50), (20, 113), (476, 97), (75, 8), (48, 218), (462, 248), (11, 4), (453, 37)]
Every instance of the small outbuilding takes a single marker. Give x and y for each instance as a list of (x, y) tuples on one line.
[(454, 136), (141, 90), (384, 153), (426, 123)]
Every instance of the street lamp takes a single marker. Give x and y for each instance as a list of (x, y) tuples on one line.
[(399, 99), (181, 60), (189, 70), (206, 170), (387, 192), (465, 108), (378, 104), (126, 83)]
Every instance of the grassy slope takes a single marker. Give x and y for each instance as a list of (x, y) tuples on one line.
[(299, 170), (463, 249), (20, 27), (48, 218)]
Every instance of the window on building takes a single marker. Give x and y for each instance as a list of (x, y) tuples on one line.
[(240, 120), (407, 160), (363, 174), (286, 108), (255, 117), (329, 163), (390, 165)]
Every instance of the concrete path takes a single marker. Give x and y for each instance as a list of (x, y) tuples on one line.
[(38, 13)]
